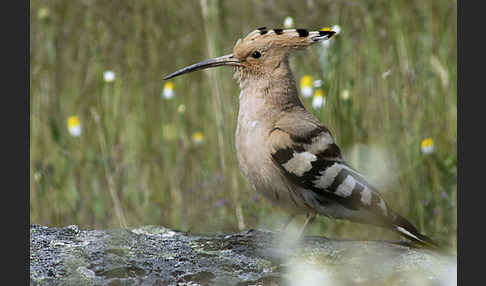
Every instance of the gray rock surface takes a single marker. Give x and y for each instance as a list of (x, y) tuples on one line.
[(154, 255)]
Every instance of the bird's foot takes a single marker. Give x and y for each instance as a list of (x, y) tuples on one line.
[(287, 223)]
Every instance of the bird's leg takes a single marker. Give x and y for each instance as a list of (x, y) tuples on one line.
[(308, 221), (287, 222)]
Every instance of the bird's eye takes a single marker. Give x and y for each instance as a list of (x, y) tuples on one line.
[(256, 54)]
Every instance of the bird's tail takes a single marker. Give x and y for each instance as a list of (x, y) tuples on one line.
[(406, 229)]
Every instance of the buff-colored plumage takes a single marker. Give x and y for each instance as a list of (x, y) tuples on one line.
[(285, 153)]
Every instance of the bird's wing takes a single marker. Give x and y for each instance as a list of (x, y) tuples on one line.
[(307, 154)]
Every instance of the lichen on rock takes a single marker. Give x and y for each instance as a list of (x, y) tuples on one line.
[(154, 255)]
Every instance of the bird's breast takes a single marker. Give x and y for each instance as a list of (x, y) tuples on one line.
[(255, 160), (250, 143)]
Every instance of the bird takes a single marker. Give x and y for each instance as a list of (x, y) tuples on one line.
[(285, 152)]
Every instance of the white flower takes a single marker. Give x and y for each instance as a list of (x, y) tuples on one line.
[(43, 13), (109, 76), (337, 29), (181, 109), (306, 91), (37, 176), (317, 83), (74, 127), (386, 74), (288, 22), (168, 91), (318, 100), (75, 131), (345, 94)]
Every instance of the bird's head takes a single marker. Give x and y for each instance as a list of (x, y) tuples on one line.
[(261, 51)]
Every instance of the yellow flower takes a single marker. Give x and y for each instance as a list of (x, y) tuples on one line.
[(168, 91), (74, 126), (198, 137), (306, 86), (319, 93), (318, 100), (169, 85), (306, 80), (427, 146)]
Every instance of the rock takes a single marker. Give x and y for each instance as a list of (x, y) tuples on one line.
[(154, 255)]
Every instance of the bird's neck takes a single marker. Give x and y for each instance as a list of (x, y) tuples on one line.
[(269, 94)]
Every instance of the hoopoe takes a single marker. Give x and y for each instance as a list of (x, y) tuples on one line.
[(283, 150)]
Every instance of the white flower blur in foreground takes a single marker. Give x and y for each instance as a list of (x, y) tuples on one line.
[(306, 86), (427, 146), (109, 76), (74, 126), (318, 100), (375, 163), (288, 22), (168, 91), (345, 94), (198, 137), (301, 272)]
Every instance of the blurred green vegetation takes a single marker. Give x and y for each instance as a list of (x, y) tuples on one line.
[(136, 161)]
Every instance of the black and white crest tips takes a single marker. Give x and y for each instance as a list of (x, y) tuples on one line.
[(278, 31), (302, 32), (263, 30), (324, 33)]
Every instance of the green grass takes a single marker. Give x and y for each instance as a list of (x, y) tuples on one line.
[(135, 162)]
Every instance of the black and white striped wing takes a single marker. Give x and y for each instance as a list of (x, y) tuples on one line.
[(316, 164)]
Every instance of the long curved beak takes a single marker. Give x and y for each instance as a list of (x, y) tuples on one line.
[(227, 60)]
